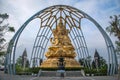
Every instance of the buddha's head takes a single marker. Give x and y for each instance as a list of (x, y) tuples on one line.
[(60, 26)]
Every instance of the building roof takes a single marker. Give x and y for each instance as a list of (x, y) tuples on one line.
[(96, 54), (24, 53)]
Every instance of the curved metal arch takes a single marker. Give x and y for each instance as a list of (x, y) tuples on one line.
[(41, 42), (113, 64), (80, 46), (109, 44), (12, 45)]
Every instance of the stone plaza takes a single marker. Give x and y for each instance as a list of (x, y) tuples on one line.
[(29, 77)]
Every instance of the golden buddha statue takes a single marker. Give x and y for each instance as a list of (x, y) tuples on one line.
[(61, 46)]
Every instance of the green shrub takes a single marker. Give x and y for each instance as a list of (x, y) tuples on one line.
[(73, 68), (99, 72), (20, 71), (36, 69)]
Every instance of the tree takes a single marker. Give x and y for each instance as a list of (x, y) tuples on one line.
[(4, 28), (86, 62), (19, 61), (22, 61), (103, 63), (81, 61), (18, 65), (88, 59), (114, 29)]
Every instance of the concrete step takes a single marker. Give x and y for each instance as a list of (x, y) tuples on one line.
[(57, 73), (48, 73), (73, 73)]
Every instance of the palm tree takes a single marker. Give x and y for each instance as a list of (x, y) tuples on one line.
[(114, 27)]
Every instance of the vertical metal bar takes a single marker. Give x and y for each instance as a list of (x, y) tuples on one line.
[(34, 47), (45, 46)]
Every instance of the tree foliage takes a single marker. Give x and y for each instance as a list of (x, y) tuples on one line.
[(19, 61), (4, 28), (114, 29)]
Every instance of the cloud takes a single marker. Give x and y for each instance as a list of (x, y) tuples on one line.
[(87, 6), (22, 10), (99, 10)]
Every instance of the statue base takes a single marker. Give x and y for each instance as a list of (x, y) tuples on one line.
[(53, 63)]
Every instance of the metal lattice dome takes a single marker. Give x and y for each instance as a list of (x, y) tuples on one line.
[(49, 18)]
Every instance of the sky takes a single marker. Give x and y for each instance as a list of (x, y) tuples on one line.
[(21, 10)]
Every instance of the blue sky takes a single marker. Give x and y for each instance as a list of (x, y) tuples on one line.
[(20, 10)]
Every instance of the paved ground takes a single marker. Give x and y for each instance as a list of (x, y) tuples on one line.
[(75, 78), (17, 77)]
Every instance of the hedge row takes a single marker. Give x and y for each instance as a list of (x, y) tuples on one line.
[(35, 70)]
